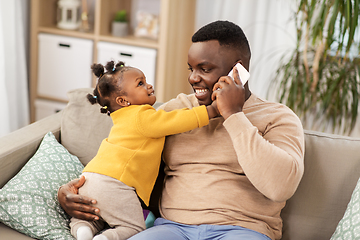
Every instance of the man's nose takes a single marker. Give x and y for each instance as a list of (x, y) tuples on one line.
[(194, 77)]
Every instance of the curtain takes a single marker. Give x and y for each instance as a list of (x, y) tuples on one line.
[(269, 27), (14, 101)]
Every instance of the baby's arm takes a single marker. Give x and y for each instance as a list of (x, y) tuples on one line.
[(152, 123)]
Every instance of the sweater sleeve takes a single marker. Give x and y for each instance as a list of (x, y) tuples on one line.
[(160, 123), (273, 161)]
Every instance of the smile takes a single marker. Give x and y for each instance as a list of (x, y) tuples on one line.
[(201, 91)]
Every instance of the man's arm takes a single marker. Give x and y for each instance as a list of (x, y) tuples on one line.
[(273, 162)]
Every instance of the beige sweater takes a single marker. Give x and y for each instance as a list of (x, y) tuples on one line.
[(234, 172)]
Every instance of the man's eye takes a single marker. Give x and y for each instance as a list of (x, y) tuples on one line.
[(206, 70), (190, 69)]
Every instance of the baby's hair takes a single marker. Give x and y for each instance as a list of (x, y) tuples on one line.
[(106, 84)]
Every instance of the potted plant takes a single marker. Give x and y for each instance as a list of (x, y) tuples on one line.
[(320, 80), (120, 26)]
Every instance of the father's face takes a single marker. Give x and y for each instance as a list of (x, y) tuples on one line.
[(208, 61)]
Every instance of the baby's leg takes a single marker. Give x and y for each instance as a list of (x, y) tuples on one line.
[(127, 219), (100, 237), (84, 230), (81, 229), (84, 233), (119, 207)]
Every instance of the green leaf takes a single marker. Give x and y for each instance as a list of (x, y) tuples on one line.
[(353, 24), (336, 97)]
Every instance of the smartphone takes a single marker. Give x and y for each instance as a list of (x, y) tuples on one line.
[(243, 73)]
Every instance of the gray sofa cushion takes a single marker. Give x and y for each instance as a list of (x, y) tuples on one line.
[(83, 127), (8, 233), (332, 168)]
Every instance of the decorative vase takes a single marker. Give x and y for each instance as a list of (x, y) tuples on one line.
[(120, 29)]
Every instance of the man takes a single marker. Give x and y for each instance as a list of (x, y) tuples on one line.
[(230, 179)]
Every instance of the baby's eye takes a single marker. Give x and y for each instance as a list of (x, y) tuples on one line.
[(140, 83)]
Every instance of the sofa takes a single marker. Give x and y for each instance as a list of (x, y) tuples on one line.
[(332, 166)]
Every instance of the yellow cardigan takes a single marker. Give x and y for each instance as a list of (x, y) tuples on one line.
[(132, 151)]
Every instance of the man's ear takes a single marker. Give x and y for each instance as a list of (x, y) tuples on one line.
[(241, 62), (246, 66), (121, 101), (244, 63)]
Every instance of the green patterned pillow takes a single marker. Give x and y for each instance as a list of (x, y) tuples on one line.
[(28, 202), (349, 225)]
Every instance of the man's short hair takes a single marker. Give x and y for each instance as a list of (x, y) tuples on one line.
[(227, 34)]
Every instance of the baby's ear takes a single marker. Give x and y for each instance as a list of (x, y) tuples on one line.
[(121, 101)]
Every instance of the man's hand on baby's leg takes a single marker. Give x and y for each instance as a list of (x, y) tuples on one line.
[(75, 205)]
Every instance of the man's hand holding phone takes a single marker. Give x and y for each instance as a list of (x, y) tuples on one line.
[(229, 91)]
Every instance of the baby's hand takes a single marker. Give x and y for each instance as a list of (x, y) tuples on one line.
[(213, 110)]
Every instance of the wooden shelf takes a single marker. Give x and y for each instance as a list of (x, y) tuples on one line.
[(175, 30), (130, 40), (68, 33)]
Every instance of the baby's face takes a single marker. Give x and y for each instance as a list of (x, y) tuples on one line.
[(138, 91)]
